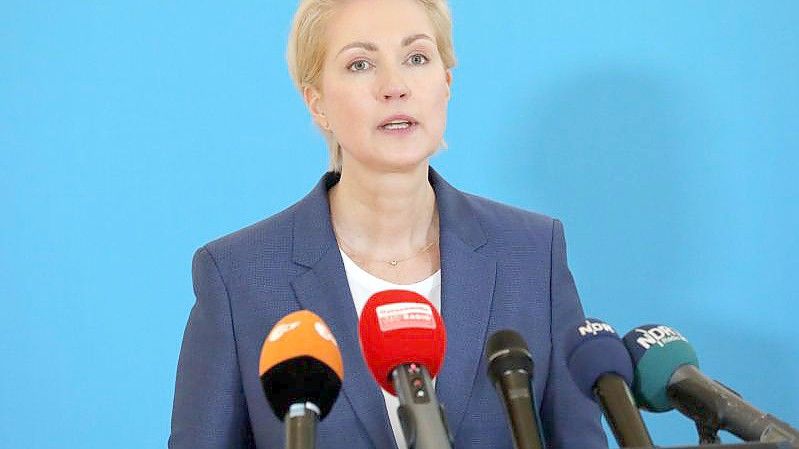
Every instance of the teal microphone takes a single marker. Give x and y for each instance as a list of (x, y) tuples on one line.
[(657, 352), (667, 376)]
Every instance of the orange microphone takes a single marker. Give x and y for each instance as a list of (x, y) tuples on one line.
[(301, 373)]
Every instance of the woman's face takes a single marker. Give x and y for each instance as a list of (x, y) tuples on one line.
[(382, 66)]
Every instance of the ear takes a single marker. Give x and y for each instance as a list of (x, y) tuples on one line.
[(448, 79), (313, 100)]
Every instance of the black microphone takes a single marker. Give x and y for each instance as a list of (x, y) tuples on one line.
[(601, 367), (667, 376), (510, 368), (301, 372)]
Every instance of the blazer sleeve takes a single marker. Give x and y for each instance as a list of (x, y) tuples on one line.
[(570, 419), (209, 409)]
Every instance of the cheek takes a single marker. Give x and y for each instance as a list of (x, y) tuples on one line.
[(348, 107), (439, 104), (443, 98)]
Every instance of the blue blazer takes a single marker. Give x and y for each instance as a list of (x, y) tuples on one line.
[(502, 268)]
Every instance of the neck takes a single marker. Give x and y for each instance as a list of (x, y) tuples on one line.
[(386, 214)]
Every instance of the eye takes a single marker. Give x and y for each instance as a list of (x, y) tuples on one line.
[(418, 59), (359, 65)]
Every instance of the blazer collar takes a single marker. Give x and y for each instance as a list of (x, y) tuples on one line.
[(313, 231), (466, 297)]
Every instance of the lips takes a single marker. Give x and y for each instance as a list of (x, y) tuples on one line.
[(397, 122)]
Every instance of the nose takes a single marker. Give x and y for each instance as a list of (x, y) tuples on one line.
[(394, 86)]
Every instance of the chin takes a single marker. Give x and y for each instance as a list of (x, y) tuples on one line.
[(409, 159), (399, 157), (399, 164)]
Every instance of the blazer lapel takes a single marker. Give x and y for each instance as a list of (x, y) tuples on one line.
[(324, 290), (466, 296)]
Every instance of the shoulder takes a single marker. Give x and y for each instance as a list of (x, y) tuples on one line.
[(268, 239), (271, 239), (510, 223), (498, 222)]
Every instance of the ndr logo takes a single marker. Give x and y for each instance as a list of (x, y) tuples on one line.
[(659, 335), (594, 328)]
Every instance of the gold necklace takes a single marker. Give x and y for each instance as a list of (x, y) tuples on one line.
[(393, 262)]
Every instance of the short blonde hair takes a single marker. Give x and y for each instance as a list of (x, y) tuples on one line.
[(306, 48)]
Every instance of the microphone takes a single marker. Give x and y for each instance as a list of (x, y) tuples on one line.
[(667, 376), (301, 373), (510, 368), (403, 342), (601, 367)]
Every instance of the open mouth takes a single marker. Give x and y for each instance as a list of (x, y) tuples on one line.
[(397, 124)]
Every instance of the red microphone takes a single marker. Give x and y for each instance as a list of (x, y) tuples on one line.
[(403, 340)]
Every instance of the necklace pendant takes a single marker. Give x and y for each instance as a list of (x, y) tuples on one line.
[(393, 263)]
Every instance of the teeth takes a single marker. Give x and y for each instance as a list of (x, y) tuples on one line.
[(397, 125)]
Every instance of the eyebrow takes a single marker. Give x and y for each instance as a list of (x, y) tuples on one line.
[(368, 46)]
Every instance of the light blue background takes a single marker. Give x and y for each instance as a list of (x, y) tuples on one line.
[(663, 134)]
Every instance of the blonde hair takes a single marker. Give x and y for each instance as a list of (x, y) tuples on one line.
[(306, 48)]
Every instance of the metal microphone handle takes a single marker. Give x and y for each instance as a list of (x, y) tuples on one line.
[(702, 398), (619, 409), (421, 416), (301, 422)]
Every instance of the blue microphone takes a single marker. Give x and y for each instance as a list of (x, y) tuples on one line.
[(601, 367)]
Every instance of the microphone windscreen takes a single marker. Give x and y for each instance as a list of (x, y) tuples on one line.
[(657, 352), (399, 327), (594, 349), (300, 362), (505, 340), (506, 350)]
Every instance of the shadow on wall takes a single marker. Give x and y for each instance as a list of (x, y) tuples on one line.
[(622, 157), (607, 151)]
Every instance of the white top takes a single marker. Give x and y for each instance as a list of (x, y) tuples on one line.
[(362, 286)]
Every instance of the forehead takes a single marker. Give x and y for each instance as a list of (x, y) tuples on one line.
[(383, 22)]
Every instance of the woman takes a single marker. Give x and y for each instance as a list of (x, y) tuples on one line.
[(376, 76)]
